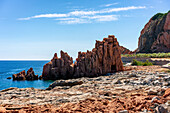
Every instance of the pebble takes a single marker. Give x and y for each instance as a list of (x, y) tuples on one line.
[(124, 111), (152, 92), (154, 98), (168, 103)]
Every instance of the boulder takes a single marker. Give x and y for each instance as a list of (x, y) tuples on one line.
[(104, 58), (64, 83), (155, 36)]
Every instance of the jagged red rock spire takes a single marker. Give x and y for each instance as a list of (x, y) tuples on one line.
[(104, 58)]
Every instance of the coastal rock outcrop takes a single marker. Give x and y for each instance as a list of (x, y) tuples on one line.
[(31, 75), (23, 76), (104, 58), (19, 76), (155, 36)]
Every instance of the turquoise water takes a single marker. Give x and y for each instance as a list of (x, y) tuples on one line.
[(7, 68)]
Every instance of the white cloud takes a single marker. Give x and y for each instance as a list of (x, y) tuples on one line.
[(65, 19), (102, 17), (28, 18), (110, 10), (81, 13), (88, 19), (50, 15), (78, 13), (45, 16), (74, 21), (107, 5), (106, 18)]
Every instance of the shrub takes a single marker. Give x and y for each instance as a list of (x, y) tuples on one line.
[(148, 55), (147, 63), (159, 15), (138, 63)]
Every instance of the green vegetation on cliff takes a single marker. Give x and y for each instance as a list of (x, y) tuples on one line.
[(159, 15), (149, 55)]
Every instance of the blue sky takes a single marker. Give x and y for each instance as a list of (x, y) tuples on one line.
[(36, 29)]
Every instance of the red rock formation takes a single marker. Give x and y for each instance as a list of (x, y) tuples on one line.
[(124, 50), (155, 36), (23, 76), (19, 76), (30, 75), (104, 58)]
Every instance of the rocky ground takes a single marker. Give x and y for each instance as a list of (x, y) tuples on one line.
[(139, 89)]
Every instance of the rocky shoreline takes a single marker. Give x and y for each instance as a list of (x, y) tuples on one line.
[(138, 89)]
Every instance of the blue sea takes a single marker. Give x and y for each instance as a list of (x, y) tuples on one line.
[(7, 68)]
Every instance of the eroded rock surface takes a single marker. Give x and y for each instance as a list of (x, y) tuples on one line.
[(104, 58), (23, 76), (138, 90), (155, 36)]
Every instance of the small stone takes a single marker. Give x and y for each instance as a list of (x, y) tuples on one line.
[(118, 82), (152, 92), (166, 83), (154, 98), (132, 75), (145, 111), (124, 111), (168, 103), (157, 82), (114, 97), (145, 83)]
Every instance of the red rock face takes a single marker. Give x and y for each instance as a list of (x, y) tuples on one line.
[(124, 50), (104, 58), (23, 76), (155, 36)]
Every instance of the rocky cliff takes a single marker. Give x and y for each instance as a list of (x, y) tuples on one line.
[(155, 36), (104, 58)]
